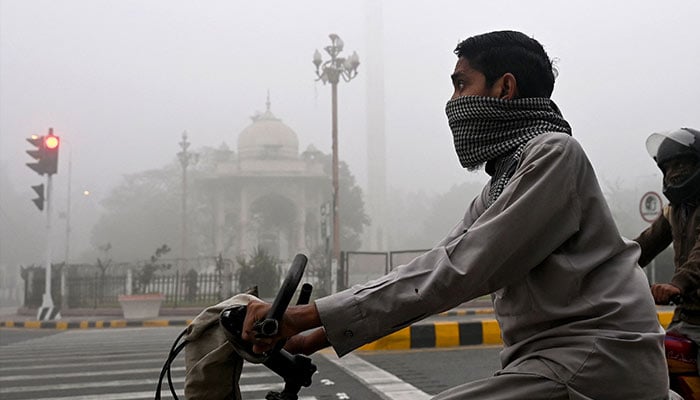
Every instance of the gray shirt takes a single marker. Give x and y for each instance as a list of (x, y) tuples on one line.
[(565, 285)]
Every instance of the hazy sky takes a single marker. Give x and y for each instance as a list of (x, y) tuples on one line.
[(120, 81)]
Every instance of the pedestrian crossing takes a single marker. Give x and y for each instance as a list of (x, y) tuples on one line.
[(115, 364)]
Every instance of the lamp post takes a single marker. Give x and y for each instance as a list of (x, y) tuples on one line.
[(331, 71), (185, 157)]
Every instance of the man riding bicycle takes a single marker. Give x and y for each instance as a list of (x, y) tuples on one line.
[(576, 316)]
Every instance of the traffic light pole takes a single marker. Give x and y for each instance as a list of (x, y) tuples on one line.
[(47, 310), (45, 152)]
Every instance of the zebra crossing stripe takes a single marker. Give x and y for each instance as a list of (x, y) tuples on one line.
[(136, 396), (252, 387), (112, 373)]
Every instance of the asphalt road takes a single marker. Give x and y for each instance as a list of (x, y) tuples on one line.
[(116, 364)]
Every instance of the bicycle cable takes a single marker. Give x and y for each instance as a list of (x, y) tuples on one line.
[(174, 351)]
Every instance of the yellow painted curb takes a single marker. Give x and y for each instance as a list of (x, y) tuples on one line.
[(156, 323), (446, 334), (399, 340), (32, 324), (492, 332)]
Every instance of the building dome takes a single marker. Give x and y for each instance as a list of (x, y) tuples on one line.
[(267, 138)]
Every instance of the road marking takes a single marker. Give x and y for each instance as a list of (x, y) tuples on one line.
[(381, 382), (120, 383), (21, 356), (136, 396), (152, 371), (79, 364), (109, 370)]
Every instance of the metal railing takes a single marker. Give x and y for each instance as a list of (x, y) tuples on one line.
[(82, 287), (98, 291), (362, 266)]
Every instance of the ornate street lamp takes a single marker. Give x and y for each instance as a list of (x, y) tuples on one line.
[(331, 71)]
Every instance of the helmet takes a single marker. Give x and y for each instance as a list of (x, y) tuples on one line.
[(666, 146)]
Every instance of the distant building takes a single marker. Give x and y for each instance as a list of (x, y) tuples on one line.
[(267, 194)]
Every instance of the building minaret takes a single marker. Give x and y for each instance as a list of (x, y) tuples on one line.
[(376, 239)]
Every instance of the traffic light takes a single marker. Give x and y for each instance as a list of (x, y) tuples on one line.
[(51, 144), (45, 154), (39, 201), (37, 154)]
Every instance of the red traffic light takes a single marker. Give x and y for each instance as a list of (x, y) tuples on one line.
[(45, 153), (50, 153), (51, 142)]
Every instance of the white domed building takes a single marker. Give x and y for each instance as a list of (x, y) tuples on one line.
[(268, 195)]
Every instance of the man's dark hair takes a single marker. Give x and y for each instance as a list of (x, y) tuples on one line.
[(497, 53)]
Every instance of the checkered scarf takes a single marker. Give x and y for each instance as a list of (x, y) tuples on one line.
[(490, 129)]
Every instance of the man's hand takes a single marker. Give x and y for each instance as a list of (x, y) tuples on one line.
[(296, 319), (257, 311), (307, 343), (663, 292)]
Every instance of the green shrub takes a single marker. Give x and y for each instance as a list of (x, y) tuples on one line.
[(259, 270)]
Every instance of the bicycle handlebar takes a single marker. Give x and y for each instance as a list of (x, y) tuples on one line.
[(270, 325), (296, 369)]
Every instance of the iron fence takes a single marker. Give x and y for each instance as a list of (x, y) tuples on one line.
[(92, 291), (97, 291), (192, 288), (362, 266), (81, 287)]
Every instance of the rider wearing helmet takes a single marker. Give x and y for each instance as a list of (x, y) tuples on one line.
[(677, 154)]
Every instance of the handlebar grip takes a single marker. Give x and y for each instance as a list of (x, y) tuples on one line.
[(267, 327), (676, 299), (305, 294)]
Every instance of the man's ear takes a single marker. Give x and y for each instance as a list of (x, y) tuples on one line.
[(508, 87)]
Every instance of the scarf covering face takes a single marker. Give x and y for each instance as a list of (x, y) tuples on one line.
[(490, 129)]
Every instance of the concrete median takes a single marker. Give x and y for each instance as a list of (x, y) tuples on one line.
[(453, 334)]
